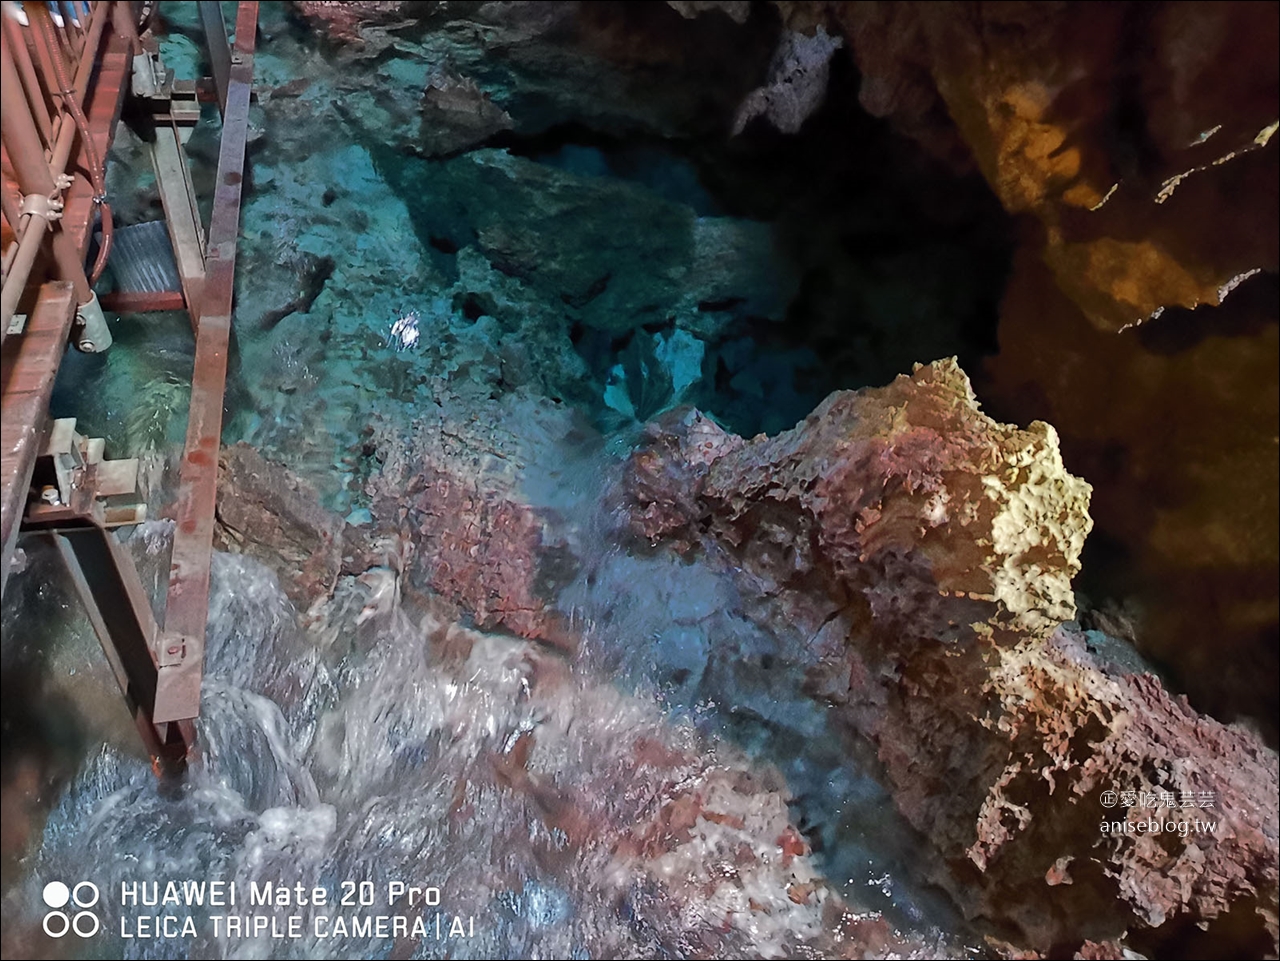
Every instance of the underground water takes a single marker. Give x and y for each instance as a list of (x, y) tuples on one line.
[(518, 307)]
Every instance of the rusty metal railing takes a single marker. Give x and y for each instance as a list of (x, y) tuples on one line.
[(56, 132), (43, 123)]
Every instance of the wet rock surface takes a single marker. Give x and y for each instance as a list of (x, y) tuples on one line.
[(998, 735), (267, 512), (794, 695), (453, 495), (692, 837)]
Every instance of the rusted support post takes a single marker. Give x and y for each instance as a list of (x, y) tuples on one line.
[(178, 692), (215, 33), (107, 583)]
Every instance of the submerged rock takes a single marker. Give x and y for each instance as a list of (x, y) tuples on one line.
[(562, 813), (928, 551), (647, 261), (457, 114), (267, 512)]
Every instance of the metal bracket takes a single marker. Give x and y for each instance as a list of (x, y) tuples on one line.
[(72, 481), (38, 205)]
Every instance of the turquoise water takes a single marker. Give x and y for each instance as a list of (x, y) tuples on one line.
[(561, 295)]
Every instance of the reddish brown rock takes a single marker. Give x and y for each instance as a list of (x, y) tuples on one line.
[(343, 21), (1175, 423), (927, 551), (269, 513), (629, 809), (474, 540), (1137, 142), (909, 481)]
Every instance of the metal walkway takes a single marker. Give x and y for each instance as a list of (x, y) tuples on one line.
[(65, 81)]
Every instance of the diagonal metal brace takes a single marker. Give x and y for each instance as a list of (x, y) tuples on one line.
[(116, 602)]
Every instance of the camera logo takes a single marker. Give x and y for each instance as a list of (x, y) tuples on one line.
[(57, 923)]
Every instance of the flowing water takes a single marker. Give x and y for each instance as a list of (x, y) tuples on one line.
[(365, 747), (351, 757)]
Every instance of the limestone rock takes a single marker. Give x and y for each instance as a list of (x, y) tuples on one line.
[(927, 552), (735, 10), (269, 513), (911, 474), (797, 82), (651, 261), (1152, 173), (618, 68), (1175, 424), (457, 114)]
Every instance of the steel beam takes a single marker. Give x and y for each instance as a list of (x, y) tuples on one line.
[(116, 602), (215, 33), (142, 301), (178, 684), (27, 371)]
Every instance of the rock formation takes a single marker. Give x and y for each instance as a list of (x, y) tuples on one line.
[(928, 552), (1136, 147), (1125, 132), (631, 809)]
